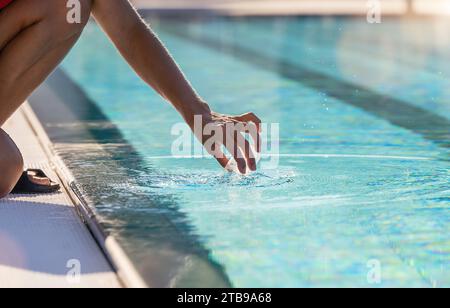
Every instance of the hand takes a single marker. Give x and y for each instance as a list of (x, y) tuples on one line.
[(215, 130)]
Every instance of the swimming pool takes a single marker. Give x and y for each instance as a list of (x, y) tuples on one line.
[(363, 176)]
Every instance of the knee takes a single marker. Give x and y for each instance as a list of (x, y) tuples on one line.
[(65, 19), (11, 168)]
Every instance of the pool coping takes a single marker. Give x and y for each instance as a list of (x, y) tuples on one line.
[(124, 268), (44, 242), (60, 101)]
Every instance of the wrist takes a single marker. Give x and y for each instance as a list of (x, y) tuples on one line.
[(195, 108)]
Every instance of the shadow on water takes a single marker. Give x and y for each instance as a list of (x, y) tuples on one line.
[(423, 122), (99, 156)]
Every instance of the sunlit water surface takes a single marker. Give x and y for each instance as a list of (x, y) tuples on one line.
[(355, 183)]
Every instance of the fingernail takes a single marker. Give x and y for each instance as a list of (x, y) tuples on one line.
[(242, 168)]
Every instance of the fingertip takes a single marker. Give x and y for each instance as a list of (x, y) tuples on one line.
[(252, 164), (242, 166)]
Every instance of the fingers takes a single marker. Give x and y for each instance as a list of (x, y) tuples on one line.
[(233, 130), (240, 148), (232, 146), (250, 117), (214, 149), (221, 158), (241, 142), (252, 130), (249, 155)]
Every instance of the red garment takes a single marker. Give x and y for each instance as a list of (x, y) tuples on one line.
[(4, 3)]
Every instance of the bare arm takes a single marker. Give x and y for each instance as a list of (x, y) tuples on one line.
[(145, 53), (139, 45)]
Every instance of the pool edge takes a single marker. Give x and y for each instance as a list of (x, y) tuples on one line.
[(125, 270), (267, 8)]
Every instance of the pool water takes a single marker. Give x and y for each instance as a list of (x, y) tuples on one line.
[(363, 175)]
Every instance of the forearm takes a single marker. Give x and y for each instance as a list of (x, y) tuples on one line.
[(147, 55), (151, 60)]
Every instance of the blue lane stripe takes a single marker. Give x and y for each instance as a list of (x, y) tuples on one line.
[(429, 125)]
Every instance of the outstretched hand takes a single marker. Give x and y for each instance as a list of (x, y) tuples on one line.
[(217, 131)]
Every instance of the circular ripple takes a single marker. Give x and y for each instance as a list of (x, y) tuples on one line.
[(206, 180)]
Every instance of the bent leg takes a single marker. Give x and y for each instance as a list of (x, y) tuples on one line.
[(11, 164), (34, 38)]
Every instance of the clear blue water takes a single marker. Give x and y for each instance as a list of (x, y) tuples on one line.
[(364, 112)]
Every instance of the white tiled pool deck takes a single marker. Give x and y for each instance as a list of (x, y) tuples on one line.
[(43, 241)]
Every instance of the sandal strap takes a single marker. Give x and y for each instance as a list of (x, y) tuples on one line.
[(25, 185), (38, 172)]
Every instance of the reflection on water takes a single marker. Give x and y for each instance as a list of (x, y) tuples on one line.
[(380, 112)]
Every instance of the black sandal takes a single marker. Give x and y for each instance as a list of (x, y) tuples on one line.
[(26, 186)]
